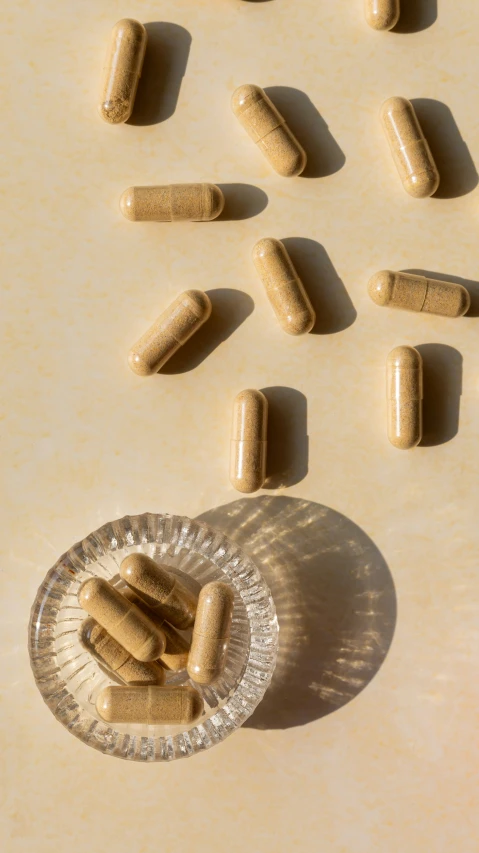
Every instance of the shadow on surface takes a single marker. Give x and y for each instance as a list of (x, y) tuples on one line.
[(456, 167), (287, 437), (471, 286), (324, 154), (230, 308), (442, 366), (416, 15), (329, 297), (334, 597), (166, 57), (242, 201)]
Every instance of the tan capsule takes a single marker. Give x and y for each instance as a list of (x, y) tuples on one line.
[(211, 633), (249, 441), (122, 619), (405, 393), (152, 706), (164, 593), (107, 651), (172, 203), (409, 148), (417, 293), (175, 656), (169, 332), (122, 70), (283, 286), (267, 127), (382, 14)]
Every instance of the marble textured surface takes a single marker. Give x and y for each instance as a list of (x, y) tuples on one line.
[(85, 441)]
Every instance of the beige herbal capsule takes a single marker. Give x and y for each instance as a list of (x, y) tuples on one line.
[(249, 441), (107, 651), (283, 286), (172, 203), (405, 393), (211, 633), (409, 148), (152, 706), (123, 620), (122, 70), (163, 593), (267, 127), (169, 332), (382, 14), (417, 293), (175, 656)]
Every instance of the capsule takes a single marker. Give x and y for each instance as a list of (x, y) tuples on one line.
[(107, 651), (382, 14), (175, 656), (409, 148), (122, 619), (163, 593), (283, 286), (211, 633), (169, 332), (405, 393), (249, 441), (152, 706), (267, 127), (418, 293), (122, 70), (172, 203)]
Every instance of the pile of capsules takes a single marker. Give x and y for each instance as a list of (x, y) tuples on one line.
[(284, 288), (134, 634)]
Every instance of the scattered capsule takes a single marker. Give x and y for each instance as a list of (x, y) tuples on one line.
[(152, 706), (175, 656), (249, 441), (267, 127), (405, 393), (122, 619), (169, 332), (122, 70), (172, 203), (418, 293), (382, 14), (283, 286), (164, 593), (107, 651), (211, 633), (409, 148)]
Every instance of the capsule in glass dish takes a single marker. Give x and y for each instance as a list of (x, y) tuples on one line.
[(164, 592), (107, 651), (151, 706), (211, 633)]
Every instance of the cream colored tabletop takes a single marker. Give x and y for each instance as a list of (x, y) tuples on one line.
[(367, 740)]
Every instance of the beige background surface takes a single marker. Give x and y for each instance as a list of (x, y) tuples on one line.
[(86, 441)]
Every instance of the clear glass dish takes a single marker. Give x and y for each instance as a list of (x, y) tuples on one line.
[(69, 679)]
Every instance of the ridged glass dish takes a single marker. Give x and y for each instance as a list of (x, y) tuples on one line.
[(69, 679)]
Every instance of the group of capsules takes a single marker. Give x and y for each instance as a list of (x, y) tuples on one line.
[(284, 288), (133, 632)]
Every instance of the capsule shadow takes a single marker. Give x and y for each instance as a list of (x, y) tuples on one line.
[(456, 167), (329, 297), (230, 308), (416, 15), (471, 286), (287, 462), (242, 201), (334, 597), (166, 57), (324, 154), (442, 371)]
